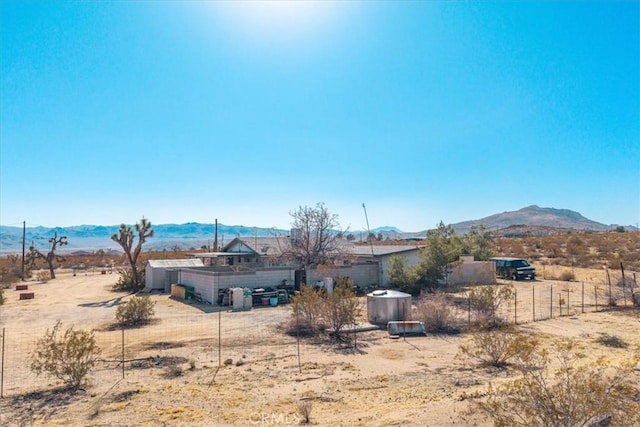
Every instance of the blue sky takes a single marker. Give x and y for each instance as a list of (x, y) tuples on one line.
[(424, 111)]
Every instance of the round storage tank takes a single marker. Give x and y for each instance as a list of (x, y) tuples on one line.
[(386, 305)]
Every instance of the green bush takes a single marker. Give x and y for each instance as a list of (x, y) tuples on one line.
[(69, 357), (136, 311), (126, 281), (1, 295)]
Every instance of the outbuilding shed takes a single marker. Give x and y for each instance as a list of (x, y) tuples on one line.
[(161, 273)]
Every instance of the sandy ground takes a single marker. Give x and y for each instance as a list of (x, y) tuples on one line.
[(173, 377)]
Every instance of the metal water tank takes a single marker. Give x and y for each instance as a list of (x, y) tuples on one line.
[(384, 306)]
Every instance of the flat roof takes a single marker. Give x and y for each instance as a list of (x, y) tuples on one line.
[(219, 254)]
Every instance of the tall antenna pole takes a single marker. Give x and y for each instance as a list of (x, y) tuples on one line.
[(24, 232), (368, 230), (215, 239)]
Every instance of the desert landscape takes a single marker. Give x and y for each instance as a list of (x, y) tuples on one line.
[(193, 365)]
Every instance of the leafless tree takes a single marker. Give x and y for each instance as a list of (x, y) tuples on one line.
[(125, 238), (315, 235), (50, 256)]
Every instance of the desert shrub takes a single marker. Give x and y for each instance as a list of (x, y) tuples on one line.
[(341, 308), (573, 394), (126, 282), (43, 276), (136, 311), (67, 356), (304, 410), (307, 310), (1, 295), (173, 371), (485, 301), (437, 312), (635, 297), (611, 341), (499, 346), (567, 276), (314, 310)]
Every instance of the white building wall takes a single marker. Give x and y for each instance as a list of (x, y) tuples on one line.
[(154, 278), (208, 283), (365, 274), (202, 281)]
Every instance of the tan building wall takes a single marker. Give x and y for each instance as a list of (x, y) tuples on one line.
[(472, 273)]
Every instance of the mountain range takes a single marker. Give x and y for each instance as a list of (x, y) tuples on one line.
[(194, 235)]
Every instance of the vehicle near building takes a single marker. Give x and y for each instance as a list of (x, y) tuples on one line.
[(514, 268)]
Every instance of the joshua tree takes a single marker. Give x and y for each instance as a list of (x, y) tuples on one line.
[(34, 254), (125, 238)]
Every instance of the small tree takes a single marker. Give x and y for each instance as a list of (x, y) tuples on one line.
[(50, 256), (442, 248), (125, 238), (136, 311), (479, 243), (573, 394), (402, 277), (315, 235), (68, 358)]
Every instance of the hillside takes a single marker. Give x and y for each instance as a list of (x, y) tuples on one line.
[(534, 216), (195, 235)]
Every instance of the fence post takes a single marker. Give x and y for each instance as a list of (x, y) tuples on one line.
[(219, 339), (568, 305), (533, 297), (298, 339), (2, 366), (515, 305), (560, 302), (551, 303), (624, 286), (123, 351), (595, 291), (469, 310), (610, 290), (582, 297)]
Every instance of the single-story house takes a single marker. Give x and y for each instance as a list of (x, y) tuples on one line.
[(210, 282), (383, 253)]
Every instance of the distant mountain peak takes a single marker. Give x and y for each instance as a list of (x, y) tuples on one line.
[(533, 215), (386, 228)]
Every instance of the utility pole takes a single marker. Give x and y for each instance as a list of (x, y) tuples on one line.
[(24, 232)]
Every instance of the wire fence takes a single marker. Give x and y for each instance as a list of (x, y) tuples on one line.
[(221, 337), (537, 301), (170, 345)]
